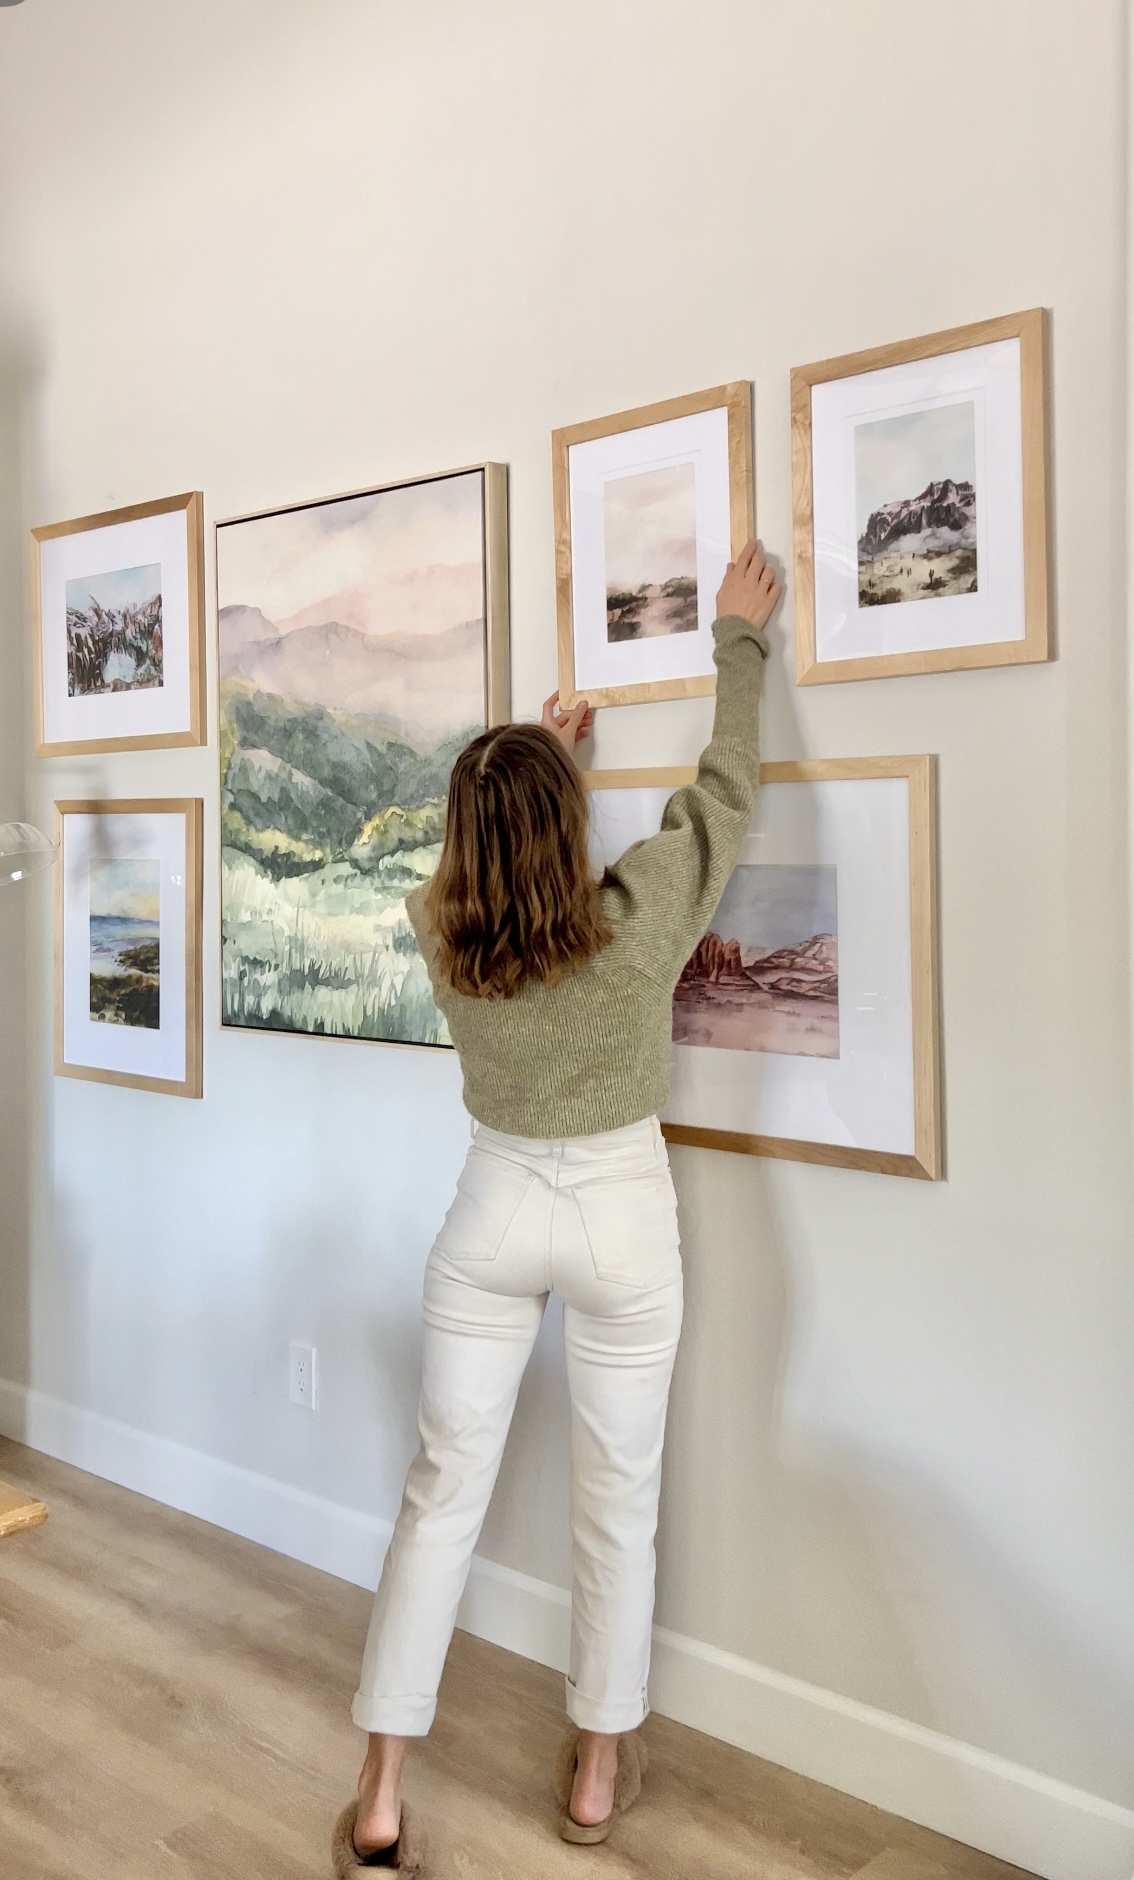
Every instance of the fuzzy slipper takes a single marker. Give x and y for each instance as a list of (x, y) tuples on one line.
[(633, 1761), (406, 1856)]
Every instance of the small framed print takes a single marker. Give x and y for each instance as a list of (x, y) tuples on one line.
[(920, 505), (650, 506), (128, 944), (119, 623), (806, 1023)]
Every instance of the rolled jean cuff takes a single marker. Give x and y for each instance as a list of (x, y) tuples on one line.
[(587, 1713), (394, 1716)]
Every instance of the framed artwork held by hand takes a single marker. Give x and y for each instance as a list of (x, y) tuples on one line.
[(650, 507)]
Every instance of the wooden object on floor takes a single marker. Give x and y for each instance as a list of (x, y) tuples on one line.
[(19, 1510), (175, 1702)]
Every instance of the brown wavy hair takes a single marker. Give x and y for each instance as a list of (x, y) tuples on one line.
[(513, 898)]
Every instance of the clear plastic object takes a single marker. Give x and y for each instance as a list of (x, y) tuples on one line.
[(24, 850)]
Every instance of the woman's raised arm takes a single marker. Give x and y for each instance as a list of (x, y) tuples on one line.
[(671, 882)]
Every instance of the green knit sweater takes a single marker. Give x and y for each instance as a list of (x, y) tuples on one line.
[(592, 1053)]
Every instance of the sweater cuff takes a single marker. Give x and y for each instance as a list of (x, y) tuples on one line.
[(730, 628)]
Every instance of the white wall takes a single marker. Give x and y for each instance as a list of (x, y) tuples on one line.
[(274, 251)]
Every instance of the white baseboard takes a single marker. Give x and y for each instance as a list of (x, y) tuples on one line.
[(1045, 1826)]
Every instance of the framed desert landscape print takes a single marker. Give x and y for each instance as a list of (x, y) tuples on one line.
[(650, 506), (805, 1025), (920, 500), (119, 624), (363, 642), (128, 943)]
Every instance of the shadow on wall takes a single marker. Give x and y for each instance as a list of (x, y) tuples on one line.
[(1002, 1662), (180, 1324), (757, 1555), (825, 1553), (15, 1304), (350, 1280)]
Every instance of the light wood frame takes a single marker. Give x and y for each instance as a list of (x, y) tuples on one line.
[(193, 504), (927, 1161), (497, 661), (192, 809), (736, 398), (1030, 329)]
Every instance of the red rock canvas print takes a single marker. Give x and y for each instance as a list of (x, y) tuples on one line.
[(765, 977)]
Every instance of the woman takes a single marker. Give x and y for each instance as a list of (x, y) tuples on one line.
[(558, 994)]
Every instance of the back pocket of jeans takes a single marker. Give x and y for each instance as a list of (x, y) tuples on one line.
[(631, 1228), (488, 1197)]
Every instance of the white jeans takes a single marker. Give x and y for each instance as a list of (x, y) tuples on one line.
[(593, 1218)]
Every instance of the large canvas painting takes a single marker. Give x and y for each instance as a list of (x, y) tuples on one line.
[(805, 1023), (128, 943), (119, 617), (650, 506), (920, 505), (363, 642)]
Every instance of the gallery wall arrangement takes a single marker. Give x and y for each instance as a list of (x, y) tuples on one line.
[(364, 638), (649, 508), (128, 943), (920, 501), (806, 1023), (118, 618)]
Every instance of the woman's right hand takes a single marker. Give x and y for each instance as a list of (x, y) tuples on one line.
[(750, 588), (569, 727)]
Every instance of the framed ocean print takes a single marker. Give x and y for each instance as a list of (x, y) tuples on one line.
[(919, 478), (806, 1023), (118, 616), (650, 506), (128, 943), (363, 640)]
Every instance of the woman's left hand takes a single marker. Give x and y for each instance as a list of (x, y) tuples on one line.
[(569, 727)]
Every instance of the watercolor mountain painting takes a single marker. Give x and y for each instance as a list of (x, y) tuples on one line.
[(916, 497), (352, 672)]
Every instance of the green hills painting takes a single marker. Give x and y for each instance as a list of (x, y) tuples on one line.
[(352, 672)]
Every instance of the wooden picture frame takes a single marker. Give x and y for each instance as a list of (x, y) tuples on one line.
[(999, 525), (247, 1004), (722, 459), (78, 706), (178, 869), (924, 1158)]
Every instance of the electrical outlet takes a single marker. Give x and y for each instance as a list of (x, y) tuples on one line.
[(303, 1374)]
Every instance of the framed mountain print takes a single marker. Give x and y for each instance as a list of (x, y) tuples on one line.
[(920, 501), (805, 1025), (363, 642), (650, 506), (128, 943), (119, 623)]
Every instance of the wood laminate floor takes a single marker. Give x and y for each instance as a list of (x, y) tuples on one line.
[(174, 1706)]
